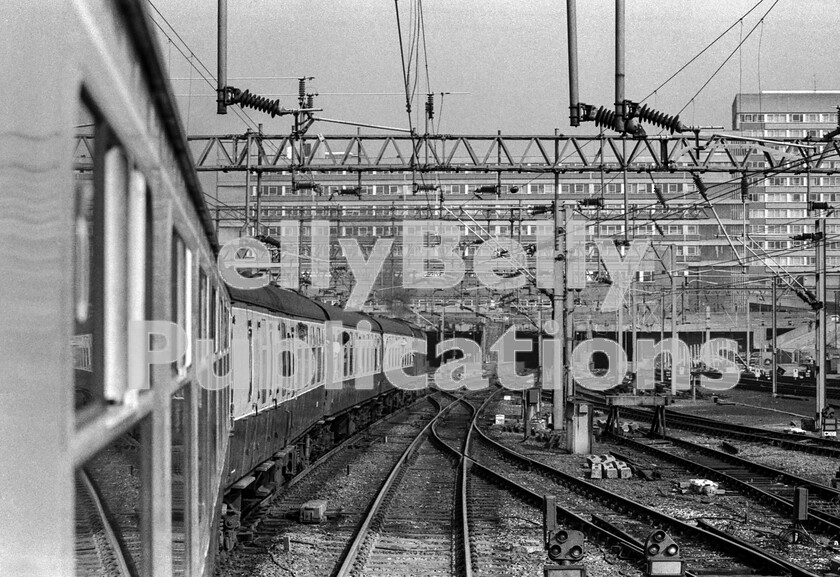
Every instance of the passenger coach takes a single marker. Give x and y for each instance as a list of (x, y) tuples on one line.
[(109, 468)]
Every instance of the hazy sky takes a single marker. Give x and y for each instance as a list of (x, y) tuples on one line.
[(509, 56)]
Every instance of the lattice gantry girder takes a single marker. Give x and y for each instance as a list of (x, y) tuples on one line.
[(505, 153)]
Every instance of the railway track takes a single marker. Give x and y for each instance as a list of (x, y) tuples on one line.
[(619, 550), (770, 524), (803, 389), (718, 428), (760, 480), (498, 516), (824, 501), (98, 551), (347, 477), (809, 444), (704, 550), (410, 528), (773, 487)]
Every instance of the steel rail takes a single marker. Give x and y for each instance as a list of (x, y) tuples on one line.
[(350, 557), (822, 491), (825, 523), (597, 529), (115, 546), (752, 554), (815, 445), (717, 428), (465, 550)]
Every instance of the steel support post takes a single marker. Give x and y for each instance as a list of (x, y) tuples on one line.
[(674, 334), (773, 340), (571, 34), (821, 273), (221, 59)]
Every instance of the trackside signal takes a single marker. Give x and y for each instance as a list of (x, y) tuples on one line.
[(565, 546), (662, 555)]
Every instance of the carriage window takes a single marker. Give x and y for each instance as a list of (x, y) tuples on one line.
[(203, 305), (318, 353), (87, 321), (214, 319), (188, 321), (182, 297), (348, 351), (225, 325), (101, 310), (87, 262)]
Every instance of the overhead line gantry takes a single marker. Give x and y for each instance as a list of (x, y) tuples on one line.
[(535, 154)]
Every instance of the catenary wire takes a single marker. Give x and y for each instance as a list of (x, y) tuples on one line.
[(713, 42), (729, 57)]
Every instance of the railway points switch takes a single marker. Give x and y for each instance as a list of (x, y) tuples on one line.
[(313, 511)]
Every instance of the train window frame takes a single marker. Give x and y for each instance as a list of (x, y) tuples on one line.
[(182, 299), (115, 310), (214, 318), (190, 307), (203, 305), (88, 271), (114, 276)]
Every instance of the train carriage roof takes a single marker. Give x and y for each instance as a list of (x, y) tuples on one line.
[(294, 305), (350, 319), (281, 301), (395, 326), (418, 332)]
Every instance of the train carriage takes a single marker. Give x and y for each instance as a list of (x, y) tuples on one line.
[(104, 228), (120, 332), (274, 403), (305, 376)]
